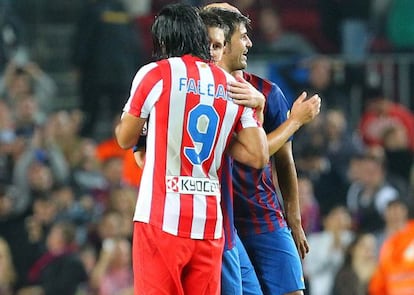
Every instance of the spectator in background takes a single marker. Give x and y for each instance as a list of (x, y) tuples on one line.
[(112, 273), (67, 125), (358, 267), (107, 227), (328, 250), (399, 155), (88, 255), (28, 78), (59, 270), (368, 195), (122, 200), (273, 39), (106, 54), (323, 75), (329, 186), (40, 167), (73, 208), (340, 143), (309, 206), (380, 114), (395, 217), (15, 229), (395, 271), (87, 178), (7, 270), (11, 146)]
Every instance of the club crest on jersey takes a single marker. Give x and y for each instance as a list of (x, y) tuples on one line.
[(192, 185), (199, 88)]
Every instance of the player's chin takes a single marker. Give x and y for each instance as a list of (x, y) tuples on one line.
[(243, 64)]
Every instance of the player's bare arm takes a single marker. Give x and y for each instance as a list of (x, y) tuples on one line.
[(303, 111), (128, 130), (283, 161), (249, 147)]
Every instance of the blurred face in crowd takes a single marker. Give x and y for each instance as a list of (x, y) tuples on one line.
[(320, 72), (55, 240), (338, 219), (365, 248)]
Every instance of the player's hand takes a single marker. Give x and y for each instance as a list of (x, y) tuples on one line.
[(305, 109), (301, 242), (140, 158), (243, 93)]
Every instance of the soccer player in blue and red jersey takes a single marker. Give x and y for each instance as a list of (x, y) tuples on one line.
[(231, 273), (260, 218)]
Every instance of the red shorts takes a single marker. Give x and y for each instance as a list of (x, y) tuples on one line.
[(165, 264)]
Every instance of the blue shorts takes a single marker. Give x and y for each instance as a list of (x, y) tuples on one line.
[(237, 273), (276, 261)]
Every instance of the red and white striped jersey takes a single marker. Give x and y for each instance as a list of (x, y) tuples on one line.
[(191, 121)]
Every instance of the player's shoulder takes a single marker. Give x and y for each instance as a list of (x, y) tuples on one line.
[(149, 66), (266, 86), (253, 78)]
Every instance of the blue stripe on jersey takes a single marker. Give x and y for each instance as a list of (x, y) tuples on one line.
[(257, 208)]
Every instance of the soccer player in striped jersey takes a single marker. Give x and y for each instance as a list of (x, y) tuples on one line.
[(260, 218), (178, 242)]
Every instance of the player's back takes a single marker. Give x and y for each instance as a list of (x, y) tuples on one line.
[(191, 121)]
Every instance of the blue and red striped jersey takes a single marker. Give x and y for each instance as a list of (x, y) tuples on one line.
[(257, 207), (227, 203)]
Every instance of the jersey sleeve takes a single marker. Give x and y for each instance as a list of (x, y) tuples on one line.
[(248, 119), (145, 91), (277, 109)]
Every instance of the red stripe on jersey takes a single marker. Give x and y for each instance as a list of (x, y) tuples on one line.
[(160, 157), (142, 90), (269, 198)]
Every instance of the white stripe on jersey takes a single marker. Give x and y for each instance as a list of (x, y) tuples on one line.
[(178, 70), (199, 213), (152, 98), (135, 82), (218, 231), (206, 73), (171, 213), (143, 205)]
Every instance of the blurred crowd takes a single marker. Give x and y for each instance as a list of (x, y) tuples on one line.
[(67, 196)]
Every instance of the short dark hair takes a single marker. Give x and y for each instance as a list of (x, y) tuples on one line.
[(231, 18), (213, 20), (178, 30)]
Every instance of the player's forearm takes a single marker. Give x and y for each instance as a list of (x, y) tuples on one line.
[(288, 184), (278, 137)]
